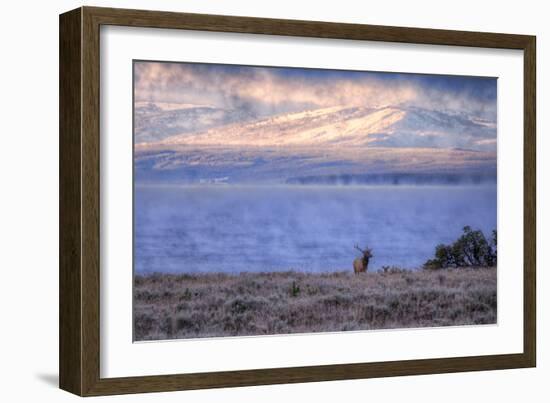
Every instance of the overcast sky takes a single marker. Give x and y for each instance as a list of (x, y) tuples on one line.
[(267, 90)]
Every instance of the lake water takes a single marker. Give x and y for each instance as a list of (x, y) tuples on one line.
[(235, 229)]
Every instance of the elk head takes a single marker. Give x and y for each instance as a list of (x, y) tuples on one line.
[(367, 252)]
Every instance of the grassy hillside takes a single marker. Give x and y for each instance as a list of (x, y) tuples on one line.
[(212, 305)]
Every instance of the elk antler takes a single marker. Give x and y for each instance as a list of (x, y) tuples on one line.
[(367, 251)]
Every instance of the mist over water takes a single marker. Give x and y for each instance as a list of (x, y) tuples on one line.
[(193, 229)]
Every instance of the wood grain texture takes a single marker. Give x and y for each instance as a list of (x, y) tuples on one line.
[(70, 313), (530, 202), (80, 201), (316, 29), (90, 202)]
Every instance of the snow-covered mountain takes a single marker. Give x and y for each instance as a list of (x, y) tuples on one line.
[(155, 121), (353, 127), (330, 142)]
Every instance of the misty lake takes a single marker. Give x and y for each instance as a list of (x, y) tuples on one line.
[(306, 228)]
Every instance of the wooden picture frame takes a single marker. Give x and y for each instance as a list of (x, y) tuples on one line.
[(79, 347)]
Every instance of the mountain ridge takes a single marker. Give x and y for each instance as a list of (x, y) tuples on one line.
[(325, 142), (352, 126)]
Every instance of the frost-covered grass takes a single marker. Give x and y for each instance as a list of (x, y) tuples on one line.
[(168, 306)]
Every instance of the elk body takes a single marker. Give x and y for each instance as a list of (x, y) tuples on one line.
[(361, 264)]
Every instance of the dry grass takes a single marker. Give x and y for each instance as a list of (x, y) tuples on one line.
[(208, 305)]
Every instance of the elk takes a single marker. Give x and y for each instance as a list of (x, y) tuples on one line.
[(360, 265)]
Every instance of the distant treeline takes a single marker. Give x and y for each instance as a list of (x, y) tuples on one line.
[(395, 179)]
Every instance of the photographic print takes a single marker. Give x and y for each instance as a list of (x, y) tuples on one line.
[(274, 200)]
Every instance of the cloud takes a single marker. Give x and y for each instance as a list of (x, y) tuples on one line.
[(265, 91)]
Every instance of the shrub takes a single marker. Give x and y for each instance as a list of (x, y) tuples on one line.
[(295, 289), (471, 249), (393, 270)]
